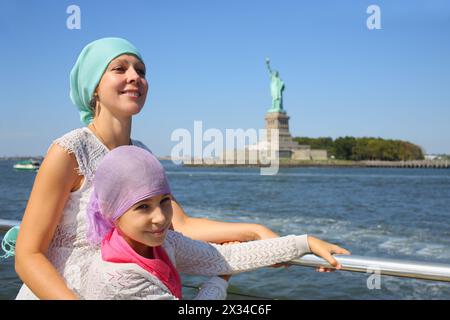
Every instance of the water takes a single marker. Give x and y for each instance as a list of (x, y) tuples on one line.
[(391, 213)]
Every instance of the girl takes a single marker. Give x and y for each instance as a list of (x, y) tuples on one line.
[(130, 213), (108, 85)]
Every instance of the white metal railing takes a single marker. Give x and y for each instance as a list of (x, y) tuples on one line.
[(382, 266), (5, 225)]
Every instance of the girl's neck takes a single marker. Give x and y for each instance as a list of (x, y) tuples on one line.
[(112, 132), (140, 248)]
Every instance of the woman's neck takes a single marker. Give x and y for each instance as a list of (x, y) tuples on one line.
[(111, 131)]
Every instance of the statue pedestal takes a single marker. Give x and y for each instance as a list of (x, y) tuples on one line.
[(280, 121)]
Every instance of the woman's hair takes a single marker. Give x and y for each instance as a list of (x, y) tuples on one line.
[(93, 104)]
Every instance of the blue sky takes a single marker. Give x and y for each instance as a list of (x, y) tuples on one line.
[(205, 61)]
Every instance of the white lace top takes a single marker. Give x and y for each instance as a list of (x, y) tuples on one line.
[(69, 250), (108, 280)]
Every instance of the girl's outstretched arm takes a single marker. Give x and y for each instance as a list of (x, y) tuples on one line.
[(217, 231), (202, 258), (53, 184)]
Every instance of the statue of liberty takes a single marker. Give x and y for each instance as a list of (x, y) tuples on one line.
[(276, 89)]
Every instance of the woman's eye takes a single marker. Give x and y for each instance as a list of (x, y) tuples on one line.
[(141, 72), (118, 69)]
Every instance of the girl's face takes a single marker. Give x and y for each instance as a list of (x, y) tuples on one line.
[(123, 87), (146, 223)]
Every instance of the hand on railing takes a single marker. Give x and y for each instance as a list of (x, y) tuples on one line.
[(325, 250), (225, 277)]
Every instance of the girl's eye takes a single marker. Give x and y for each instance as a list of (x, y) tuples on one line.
[(165, 200), (118, 69), (142, 207)]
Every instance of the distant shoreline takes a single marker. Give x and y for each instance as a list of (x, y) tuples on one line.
[(289, 163), (430, 164), (22, 158), (42, 158)]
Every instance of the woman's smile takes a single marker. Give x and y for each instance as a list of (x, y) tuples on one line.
[(133, 93)]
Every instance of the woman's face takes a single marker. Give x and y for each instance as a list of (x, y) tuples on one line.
[(123, 87), (146, 223)]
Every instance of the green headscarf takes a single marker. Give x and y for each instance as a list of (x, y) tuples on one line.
[(89, 68)]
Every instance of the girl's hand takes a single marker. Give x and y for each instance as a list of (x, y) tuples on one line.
[(225, 277), (325, 250)]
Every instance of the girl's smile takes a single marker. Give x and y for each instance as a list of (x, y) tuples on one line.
[(160, 232)]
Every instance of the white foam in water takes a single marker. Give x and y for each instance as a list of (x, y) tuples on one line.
[(399, 245), (413, 289), (416, 248), (435, 251)]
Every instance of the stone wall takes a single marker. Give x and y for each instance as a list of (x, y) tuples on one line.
[(308, 154)]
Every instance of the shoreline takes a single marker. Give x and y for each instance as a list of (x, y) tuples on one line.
[(289, 163), (420, 164)]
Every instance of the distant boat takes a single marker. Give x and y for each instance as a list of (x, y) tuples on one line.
[(27, 165)]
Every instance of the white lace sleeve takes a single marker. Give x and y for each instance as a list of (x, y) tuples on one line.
[(72, 143), (88, 150), (202, 258)]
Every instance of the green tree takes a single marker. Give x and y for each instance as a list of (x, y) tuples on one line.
[(343, 147), (365, 148)]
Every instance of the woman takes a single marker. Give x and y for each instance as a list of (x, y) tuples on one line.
[(109, 87)]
